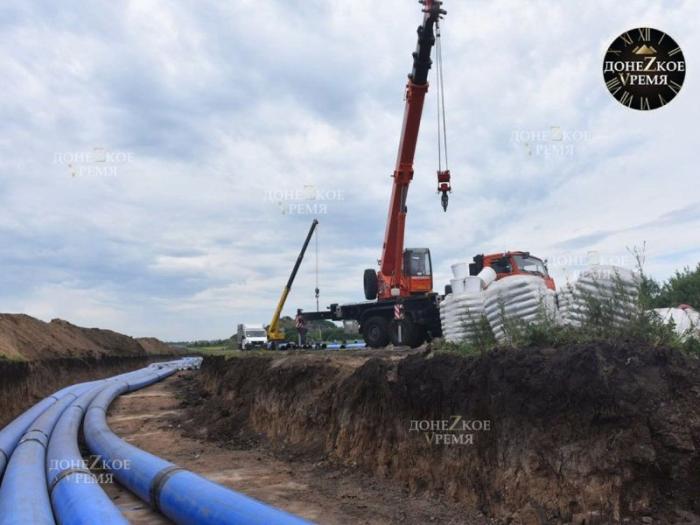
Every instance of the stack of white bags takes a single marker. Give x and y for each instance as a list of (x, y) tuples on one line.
[(610, 287), (525, 299), (518, 300), (461, 311)]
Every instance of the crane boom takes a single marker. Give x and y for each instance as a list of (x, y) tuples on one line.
[(274, 333), (390, 275)]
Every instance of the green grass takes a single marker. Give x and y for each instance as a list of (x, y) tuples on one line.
[(229, 351), (212, 350)]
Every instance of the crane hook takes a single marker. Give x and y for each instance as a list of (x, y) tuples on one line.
[(445, 199), (444, 186)]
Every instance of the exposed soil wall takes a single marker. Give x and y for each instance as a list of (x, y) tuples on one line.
[(23, 383), (580, 434), (38, 358)]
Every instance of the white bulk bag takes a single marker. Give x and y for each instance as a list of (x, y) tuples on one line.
[(686, 320), (518, 299), (605, 283)]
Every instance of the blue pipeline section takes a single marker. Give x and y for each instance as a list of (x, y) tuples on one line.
[(348, 346), (182, 496), (75, 493), (47, 481), (23, 495), (12, 433)]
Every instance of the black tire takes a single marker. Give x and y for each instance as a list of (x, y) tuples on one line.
[(375, 331), (412, 335), (371, 285), (419, 336)]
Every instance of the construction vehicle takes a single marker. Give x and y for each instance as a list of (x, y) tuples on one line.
[(512, 263), (275, 334), (250, 336), (403, 307)]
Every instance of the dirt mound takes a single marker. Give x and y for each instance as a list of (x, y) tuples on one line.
[(25, 338), (155, 346), (24, 383), (580, 434)]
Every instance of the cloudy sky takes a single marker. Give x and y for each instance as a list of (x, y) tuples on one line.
[(157, 157)]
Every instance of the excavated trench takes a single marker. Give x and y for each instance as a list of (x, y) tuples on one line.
[(23, 383), (580, 434)]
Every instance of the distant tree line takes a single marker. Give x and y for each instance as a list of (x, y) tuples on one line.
[(682, 288)]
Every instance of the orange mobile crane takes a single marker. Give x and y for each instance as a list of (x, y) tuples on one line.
[(404, 307)]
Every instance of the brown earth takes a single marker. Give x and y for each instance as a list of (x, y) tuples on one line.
[(155, 420), (155, 346), (24, 383), (25, 338), (577, 435), (38, 358)]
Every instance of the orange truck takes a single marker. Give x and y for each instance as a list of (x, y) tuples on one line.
[(512, 263)]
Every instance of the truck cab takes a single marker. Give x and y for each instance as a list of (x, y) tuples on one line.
[(512, 263), (250, 336)]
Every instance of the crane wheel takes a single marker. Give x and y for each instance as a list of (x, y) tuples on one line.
[(375, 331), (371, 285), (412, 334)]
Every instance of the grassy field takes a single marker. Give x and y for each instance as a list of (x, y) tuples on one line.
[(213, 350), (226, 351)]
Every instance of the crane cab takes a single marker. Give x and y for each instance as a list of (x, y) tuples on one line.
[(417, 271), (416, 277)]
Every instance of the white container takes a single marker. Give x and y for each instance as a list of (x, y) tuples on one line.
[(457, 286), (460, 270), (473, 284), (487, 276)]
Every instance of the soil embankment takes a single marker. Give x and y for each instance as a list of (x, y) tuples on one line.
[(25, 338), (575, 435), (38, 358)]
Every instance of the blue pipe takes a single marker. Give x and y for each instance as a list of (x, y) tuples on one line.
[(75, 494), (182, 496), (24, 498), (12, 433)]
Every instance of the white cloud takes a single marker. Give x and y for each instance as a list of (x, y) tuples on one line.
[(219, 104)]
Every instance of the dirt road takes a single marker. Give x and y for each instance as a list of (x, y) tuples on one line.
[(153, 420)]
